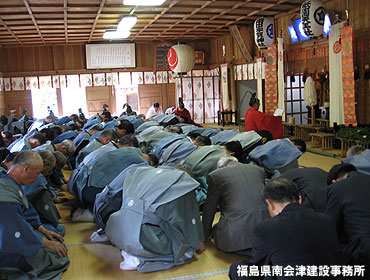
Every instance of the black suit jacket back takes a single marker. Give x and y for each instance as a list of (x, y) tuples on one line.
[(297, 236)]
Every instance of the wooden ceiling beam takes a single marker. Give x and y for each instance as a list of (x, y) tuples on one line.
[(205, 4), (33, 19), (10, 31), (102, 3), (65, 19), (250, 14), (21, 27), (294, 10), (173, 3), (235, 6)]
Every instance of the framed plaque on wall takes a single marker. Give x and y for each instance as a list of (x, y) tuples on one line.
[(109, 56)]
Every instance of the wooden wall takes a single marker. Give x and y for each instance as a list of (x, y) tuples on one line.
[(233, 53), (59, 58), (359, 14), (18, 100), (18, 60)]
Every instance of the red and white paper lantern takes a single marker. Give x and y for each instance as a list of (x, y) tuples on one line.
[(181, 58), (263, 32), (313, 17)]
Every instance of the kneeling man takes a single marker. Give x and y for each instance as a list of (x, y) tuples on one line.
[(22, 243)]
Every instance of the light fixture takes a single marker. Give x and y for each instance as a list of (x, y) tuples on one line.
[(126, 23), (143, 2), (116, 35), (293, 34), (327, 25), (300, 31)]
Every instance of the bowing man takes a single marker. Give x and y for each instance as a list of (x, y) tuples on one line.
[(23, 240)]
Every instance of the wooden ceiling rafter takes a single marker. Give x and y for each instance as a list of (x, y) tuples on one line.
[(294, 10), (65, 4), (10, 31), (207, 3), (33, 19), (173, 3), (102, 3), (235, 6), (53, 21), (248, 15)]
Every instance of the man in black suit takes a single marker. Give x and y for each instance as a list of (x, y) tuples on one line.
[(295, 235), (311, 184), (348, 203)]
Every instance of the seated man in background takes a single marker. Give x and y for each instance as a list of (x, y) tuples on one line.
[(295, 235), (7, 162), (40, 194), (234, 149), (355, 151), (277, 156), (360, 158), (167, 230), (85, 134), (339, 172), (348, 203), (202, 161), (3, 123), (256, 120), (67, 147), (202, 141), (125, 127), (25, 143), (6, 138), (56, 178), (81, 141), (101, 172), (66, 120), (184, 115), (154, 110), (236, 188), (311, 184), (106, 137), (24, 251)]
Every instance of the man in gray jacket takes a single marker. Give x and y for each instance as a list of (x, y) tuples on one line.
[(236, 188)]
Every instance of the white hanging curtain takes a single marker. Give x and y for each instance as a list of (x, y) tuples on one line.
[(281, 88), (225, 102), (336, 111), (259, 82)]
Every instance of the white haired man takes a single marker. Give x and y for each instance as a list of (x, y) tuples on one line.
[(23, 240)]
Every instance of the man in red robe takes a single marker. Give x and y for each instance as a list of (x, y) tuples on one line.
[(184, 115), (256, 120)]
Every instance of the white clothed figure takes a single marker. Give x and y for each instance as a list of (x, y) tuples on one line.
[(154, 111)]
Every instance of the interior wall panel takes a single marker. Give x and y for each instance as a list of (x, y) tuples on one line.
[(18, 100)]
